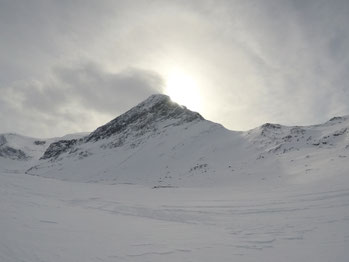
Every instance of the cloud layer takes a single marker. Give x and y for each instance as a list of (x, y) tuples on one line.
[(74, 99), (68, 66)]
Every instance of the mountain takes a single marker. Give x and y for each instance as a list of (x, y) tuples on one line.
[(146, 142), (18, 153), (17, 147), (160, 143), (147, 118)]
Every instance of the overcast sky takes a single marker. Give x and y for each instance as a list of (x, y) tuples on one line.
[(70, 66)]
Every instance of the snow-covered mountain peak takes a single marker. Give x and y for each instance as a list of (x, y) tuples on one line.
[(154, 99), (155, 112), (338, 120), (154, 116)]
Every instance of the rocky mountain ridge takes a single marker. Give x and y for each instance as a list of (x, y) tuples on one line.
[(161, 143), (147, 118)]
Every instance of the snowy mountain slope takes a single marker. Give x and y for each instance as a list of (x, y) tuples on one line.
[(278, 139), (17, 147), (160, 143), (18, 153), (305, 153)]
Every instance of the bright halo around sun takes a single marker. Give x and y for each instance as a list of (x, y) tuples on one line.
[(183, 90)]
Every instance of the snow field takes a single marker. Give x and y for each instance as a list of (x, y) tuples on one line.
[(50, 220)]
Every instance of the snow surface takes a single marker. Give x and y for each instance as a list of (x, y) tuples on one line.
[(164, 184), (51, 220)]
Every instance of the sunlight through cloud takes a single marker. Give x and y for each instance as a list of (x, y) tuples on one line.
[(183, 90)]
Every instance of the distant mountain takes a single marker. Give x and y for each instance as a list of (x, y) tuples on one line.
[(160, 143), (18, 153), (17, 147)]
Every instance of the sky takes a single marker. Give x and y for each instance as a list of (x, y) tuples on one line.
[(71, 66)]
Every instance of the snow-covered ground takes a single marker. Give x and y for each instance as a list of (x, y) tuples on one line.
[(45, 219)]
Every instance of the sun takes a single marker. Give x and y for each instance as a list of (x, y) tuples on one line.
[(183, 90)]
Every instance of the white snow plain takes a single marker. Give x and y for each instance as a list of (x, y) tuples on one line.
[(43, 219)]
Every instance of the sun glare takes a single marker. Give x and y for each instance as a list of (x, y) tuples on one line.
[(183, 90)]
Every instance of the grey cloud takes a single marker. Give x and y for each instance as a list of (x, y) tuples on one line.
[(67, 100), (108, 92)]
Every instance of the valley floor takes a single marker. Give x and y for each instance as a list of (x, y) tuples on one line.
[(50, 220)]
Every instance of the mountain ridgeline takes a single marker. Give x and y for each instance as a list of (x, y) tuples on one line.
[(140, 120), (144, 118), (160, 143)]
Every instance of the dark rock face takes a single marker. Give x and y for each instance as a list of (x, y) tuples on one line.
[(270, 130), (3, 140), (340, 132), (144, 117), (336, 118), (39, 142), (271, 126), (57, 148), (12, 153)]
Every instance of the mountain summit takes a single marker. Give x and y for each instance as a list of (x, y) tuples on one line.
[(145, 117), (149, 118)]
